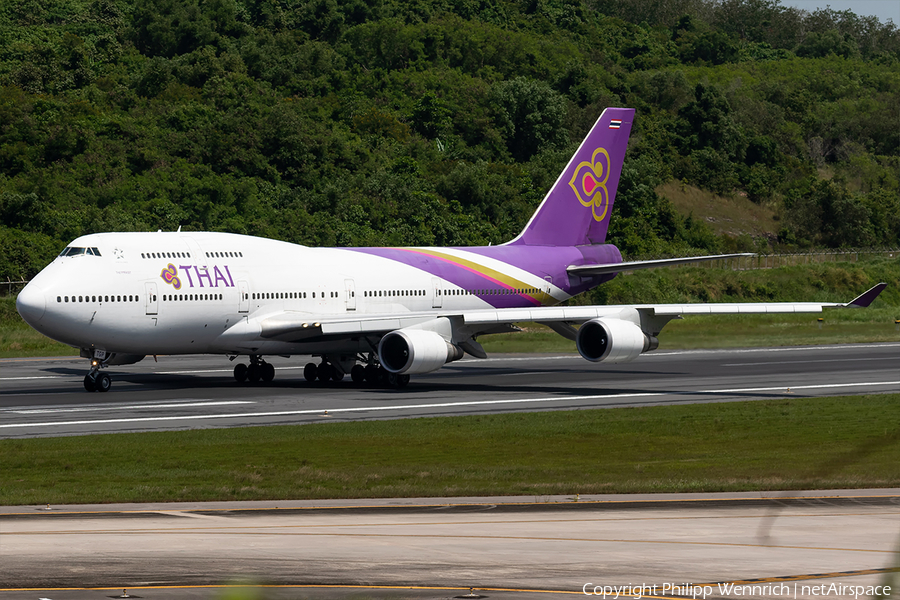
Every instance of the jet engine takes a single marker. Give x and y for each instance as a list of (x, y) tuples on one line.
[(613, 340), (416, 351)]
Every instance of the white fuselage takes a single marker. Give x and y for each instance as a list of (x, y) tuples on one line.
[(176, 293)]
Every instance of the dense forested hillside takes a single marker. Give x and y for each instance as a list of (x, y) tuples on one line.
[(333, 122)]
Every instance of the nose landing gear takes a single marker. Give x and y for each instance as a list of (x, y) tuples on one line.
[(95, 381)]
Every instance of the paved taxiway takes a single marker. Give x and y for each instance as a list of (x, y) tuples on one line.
[(554, 544), (44, 396)]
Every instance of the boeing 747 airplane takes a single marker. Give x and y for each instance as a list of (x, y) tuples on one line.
[(379, 314)]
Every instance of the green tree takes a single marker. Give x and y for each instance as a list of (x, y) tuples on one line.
[(530, 115)]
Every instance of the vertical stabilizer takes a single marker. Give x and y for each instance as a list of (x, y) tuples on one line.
[(576, 210)]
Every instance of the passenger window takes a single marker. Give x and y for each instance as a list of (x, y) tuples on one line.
[(59, 298)]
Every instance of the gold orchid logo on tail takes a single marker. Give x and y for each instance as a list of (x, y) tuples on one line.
[(589, 183)]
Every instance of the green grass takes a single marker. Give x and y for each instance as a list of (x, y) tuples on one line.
[(17, 339), (761, 445)]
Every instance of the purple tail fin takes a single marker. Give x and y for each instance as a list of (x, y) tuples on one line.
[(576, 210)]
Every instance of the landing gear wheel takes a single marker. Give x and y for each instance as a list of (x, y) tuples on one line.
[(372, 375), (240, 372), (324, 372), (253, 373), (336, 374), (402, 380), (383, 376), (267, 372), (358, 374), (310, 372), (89, 382), (102, 382)]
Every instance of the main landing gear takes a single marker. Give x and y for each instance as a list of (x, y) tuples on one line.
[(363, 370), (258, 370), (332, 370)]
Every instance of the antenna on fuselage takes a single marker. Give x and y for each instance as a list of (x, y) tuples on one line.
[(178, 230)]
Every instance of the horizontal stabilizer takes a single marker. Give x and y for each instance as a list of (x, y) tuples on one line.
[(586, 270)]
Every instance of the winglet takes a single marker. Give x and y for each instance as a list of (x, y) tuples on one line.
[(867, 297)]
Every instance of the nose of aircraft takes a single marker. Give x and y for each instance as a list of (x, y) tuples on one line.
[(31, 304)]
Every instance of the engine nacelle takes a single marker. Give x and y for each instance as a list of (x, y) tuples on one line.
[(415, 351), (613, 340)]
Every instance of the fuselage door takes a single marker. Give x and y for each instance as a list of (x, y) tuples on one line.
[(436, 298), (244, 291), (150, 300), (350, 291), (197, 254)]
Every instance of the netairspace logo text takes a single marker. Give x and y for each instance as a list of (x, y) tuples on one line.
[(777, 590)]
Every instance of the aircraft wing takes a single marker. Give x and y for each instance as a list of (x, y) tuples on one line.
[(646, 264), (293, 326)]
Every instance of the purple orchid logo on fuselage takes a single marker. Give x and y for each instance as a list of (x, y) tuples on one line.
[(170, 276), (213, 278), (589, 183)]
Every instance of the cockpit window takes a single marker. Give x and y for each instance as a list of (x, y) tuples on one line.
[(73, 251)]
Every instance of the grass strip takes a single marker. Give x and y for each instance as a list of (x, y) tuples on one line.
[(797, 443)]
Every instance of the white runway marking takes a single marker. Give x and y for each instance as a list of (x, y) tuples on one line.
[(194, 372), (332, 411), (37, 411), (802, 362)]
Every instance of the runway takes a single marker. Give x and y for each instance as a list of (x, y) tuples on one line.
[(502, 547), (44, 396)]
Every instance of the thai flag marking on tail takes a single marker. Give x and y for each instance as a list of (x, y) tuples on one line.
[(615, 123)]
